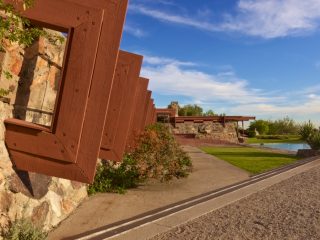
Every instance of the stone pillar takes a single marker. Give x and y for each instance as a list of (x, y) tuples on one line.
[(175, 105)]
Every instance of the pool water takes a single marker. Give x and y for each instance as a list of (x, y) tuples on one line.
[(285, 146)]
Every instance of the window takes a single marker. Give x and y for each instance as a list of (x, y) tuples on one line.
[(69, 149)]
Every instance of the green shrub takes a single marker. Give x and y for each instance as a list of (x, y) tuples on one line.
[(156, 155), (24, 229), (115, 177), (159, 156), (314, 140), (251, 133), (306, 129), (261, 126)]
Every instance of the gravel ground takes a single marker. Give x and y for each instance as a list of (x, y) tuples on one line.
[(288, 210)]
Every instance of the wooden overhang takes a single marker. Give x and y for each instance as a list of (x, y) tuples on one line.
[(166, 111), (70, 148), (137, 118), (221, 119), (121, 111)]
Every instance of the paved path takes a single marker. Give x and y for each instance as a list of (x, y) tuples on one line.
[(209, 173), (287, 210)]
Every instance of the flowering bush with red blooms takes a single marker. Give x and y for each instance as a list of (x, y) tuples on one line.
[(158, 155)]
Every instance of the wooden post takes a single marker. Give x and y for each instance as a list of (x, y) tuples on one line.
[(121, 107)]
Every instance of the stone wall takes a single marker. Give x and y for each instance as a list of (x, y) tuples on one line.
[(33, 88), (35, 77), (209, 130)]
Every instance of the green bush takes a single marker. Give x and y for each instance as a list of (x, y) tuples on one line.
[(251, 133), (314, 140), (285, 126), (156, 155), (159, 156), (306, 129), (259, 125), (24, 229), (115, 177)]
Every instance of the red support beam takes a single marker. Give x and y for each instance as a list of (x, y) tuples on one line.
[(149, 114), (136, 121), (154, 114), (121, 107), (145, 110)]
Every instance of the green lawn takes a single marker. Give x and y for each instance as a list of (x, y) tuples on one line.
[(290, 140), (252, 160)]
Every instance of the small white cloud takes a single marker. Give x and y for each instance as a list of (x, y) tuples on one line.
[(312, 96), (137, 32), (153, 60)]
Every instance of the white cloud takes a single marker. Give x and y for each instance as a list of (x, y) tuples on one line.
[(227, 92), (153, 60), (275, 18), (172, 77), (137, 32), (266, 19), (166, 17)]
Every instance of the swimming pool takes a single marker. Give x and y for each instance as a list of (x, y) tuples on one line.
[(284, 146)]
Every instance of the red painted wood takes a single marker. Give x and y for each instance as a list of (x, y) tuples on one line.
[(115, 152), (149, 113), (73, 94), (136, 121), (84, 95), (145, 110)]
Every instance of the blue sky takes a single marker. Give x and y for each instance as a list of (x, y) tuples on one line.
[(239, 57)]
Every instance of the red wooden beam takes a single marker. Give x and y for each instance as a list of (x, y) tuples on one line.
[(120, 111), (154, 114), (70, 148), (136, 121), (149, 113), (145, 110)]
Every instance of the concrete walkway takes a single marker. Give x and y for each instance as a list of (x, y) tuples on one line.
[(209, 173)]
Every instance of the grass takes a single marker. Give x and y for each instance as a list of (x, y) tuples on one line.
[(290, 140), (250, 159)]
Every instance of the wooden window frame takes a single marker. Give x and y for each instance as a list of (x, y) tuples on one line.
[(119, 115), (71, 149)]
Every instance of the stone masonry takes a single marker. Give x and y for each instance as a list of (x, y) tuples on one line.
[(209, 130)]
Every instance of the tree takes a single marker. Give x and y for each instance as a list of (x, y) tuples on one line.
[(190, 110), (285, 126), (16, 28), (210, 112), (314, 140), (306, 129), (261, 126)]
